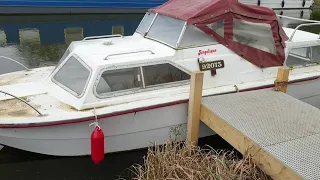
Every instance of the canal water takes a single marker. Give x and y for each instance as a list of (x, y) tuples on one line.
[(38, 41)]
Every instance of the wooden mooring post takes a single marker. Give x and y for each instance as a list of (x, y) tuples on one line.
[(198, 112), (194, 107)]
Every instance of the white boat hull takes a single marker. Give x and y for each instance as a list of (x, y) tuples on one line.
[(124, 132)]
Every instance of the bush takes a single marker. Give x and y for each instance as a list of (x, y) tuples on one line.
[(176, 160)]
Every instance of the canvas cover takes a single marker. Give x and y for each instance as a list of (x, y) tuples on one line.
[(252, 32)]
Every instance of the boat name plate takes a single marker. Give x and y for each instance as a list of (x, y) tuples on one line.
[(212, 65)]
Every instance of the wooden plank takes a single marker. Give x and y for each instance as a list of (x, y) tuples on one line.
[(272, 166), (194, 107), (282, 79)]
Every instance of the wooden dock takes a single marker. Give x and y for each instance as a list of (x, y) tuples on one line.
[(279, 132)]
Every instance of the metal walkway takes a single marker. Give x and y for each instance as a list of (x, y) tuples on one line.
[(281, 125), (280, 133)]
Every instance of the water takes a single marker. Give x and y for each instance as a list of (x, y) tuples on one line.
[(38, 41)]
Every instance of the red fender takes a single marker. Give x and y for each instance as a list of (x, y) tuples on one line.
[(97, 145)]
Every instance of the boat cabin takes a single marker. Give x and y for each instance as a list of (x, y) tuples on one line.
[(232, 42)]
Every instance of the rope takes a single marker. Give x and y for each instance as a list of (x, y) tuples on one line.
[(96, 123), (279, 84), (16, 62)]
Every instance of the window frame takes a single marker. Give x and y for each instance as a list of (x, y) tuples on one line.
[(300, 65), (144, 34), (65, 87), (114, 93), (143, 87)]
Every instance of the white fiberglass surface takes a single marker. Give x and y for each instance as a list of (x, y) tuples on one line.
[(166, 29), (73, 75)]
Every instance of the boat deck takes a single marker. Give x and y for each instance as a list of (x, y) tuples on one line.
[(277, 131)]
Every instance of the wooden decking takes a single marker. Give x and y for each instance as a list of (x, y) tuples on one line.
[(279, 132)]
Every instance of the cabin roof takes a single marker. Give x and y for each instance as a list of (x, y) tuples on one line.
[(195, 11), (252, 32)]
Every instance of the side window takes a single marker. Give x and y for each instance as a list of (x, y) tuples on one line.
[(73, 75), (193, 37), (162, 74), (303, 56), (217, 27), (256, 35), (119, 80)]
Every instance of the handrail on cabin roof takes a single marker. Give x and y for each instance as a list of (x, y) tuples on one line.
[(100, 37), (128, 53)]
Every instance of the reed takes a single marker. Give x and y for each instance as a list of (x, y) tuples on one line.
[(181, 160)]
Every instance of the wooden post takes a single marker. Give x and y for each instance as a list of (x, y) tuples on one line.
[(194, 107), (282, 79)]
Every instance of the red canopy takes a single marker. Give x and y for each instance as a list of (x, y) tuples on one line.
[(236, 17)]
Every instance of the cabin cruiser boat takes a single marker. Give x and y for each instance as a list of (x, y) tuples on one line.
[(137, 87)]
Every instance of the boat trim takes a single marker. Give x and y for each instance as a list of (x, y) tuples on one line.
[(181, 35), (92, 118), (66, 88), (148, 29)]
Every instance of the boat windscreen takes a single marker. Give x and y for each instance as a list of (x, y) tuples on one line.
[(166, 29), (72, 76), (145, 23)]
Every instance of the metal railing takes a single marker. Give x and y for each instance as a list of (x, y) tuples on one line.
[(23, 102), (311, 23), (10, 59), (101, 37), (128, 53), (302, 25)]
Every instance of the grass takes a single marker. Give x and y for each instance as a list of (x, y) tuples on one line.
[(176, 160)]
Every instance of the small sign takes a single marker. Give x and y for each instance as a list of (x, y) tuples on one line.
[(205, 66)]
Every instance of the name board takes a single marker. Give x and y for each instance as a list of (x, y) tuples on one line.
[(205, 66)]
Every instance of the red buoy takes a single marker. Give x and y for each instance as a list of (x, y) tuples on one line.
[(97, 145)]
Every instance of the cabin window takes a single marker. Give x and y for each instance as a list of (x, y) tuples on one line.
[(145, 23), (128, 80), (163, 74), (256, 35), (73, 75), (166, 30), (119, 80), (217, 27), (303, 56), (193, 37)]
